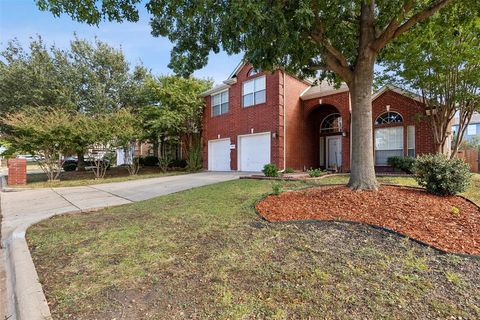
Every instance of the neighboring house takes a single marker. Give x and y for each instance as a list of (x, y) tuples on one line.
[(255, 118), (473, 128)]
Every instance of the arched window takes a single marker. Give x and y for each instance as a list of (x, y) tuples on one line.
[(253, 72), (332, 123), (389, 117)]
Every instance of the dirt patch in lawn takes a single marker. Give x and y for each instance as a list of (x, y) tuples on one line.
[(448, 223)]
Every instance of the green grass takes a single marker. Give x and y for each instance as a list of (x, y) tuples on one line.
[(205, 254), (73, 179)]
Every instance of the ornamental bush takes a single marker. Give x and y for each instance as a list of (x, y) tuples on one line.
[(289, 170), (149, 161), (442, 176), (270, 170), (402, 163), (315, 173)]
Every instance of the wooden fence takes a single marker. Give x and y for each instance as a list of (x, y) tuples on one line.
[(471, 156)]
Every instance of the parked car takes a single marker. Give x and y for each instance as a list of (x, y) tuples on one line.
[(28, 157), (70, 164)]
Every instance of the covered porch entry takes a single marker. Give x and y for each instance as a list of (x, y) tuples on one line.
[(329, 141)]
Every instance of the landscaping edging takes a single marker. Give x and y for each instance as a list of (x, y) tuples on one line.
[(385, 229), (259, 177)]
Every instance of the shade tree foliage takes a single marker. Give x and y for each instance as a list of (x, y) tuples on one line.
[(440, 60)]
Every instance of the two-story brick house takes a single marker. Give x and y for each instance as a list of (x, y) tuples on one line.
[(256, 117)]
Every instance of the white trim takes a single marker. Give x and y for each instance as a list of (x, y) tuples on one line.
[(389, 123), (303, 92), (323, 94), (240, 65), (402, 92), (325, 118), (239, 145), (208, 151), (214, 90)]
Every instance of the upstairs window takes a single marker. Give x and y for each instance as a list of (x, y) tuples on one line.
[(220, 103), (254, 92), (389, 117)]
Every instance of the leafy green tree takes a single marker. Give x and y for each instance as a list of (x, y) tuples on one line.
[(441, 63), (104, 133), (174, 109), (39, 77), (91, 78), (47, 134), (340, 38)]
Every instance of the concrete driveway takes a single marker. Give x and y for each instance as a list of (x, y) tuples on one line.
[(24, 298)]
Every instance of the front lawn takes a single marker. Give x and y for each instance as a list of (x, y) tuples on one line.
[(83, 178), (205, 253)]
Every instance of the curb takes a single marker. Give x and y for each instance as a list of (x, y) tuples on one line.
[(25, 297)]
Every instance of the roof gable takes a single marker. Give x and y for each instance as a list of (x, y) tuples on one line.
[(395, 89)]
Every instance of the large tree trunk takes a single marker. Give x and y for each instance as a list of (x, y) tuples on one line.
[(81, 161), (362, 175)]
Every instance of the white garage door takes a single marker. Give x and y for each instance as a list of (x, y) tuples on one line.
[(254, 151), (219, 155)]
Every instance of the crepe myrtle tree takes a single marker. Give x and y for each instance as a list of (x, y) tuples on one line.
[(48, 134), (442, 64), (339, 38), (105, 133)]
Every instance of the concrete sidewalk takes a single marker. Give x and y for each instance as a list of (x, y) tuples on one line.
[(24, 298)]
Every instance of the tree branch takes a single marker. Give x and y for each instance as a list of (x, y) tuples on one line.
[(334, 59), (394, 28)]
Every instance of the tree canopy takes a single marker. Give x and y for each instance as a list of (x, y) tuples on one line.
[(87, 77), (174, 108), (440, 60), (301, 36)]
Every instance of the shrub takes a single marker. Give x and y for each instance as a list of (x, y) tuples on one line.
[(314, 173), (70, 166), (402, 163), (270, 170), (178, 163), (277, 188), (440, 175), (289, 170), (163, 163), (149, 161), (194, 161)]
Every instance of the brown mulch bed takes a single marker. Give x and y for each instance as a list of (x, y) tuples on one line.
[(413, 212)]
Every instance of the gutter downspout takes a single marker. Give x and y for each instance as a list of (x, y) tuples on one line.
[(350, 138), (284, 124)]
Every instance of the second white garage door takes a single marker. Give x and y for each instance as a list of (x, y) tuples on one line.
[(254, 151), (219, 155)]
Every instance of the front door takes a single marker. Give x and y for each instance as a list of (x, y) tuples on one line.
[(334, 152)]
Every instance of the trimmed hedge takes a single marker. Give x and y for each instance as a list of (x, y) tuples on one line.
[(402, 163), (270, 170), (149, 161), (442, 176)]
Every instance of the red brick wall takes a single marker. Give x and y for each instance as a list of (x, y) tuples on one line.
[(410, 110), (17, 171), (265, 117), (295, 124)]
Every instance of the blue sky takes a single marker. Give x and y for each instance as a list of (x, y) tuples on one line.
[(21, 19)]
